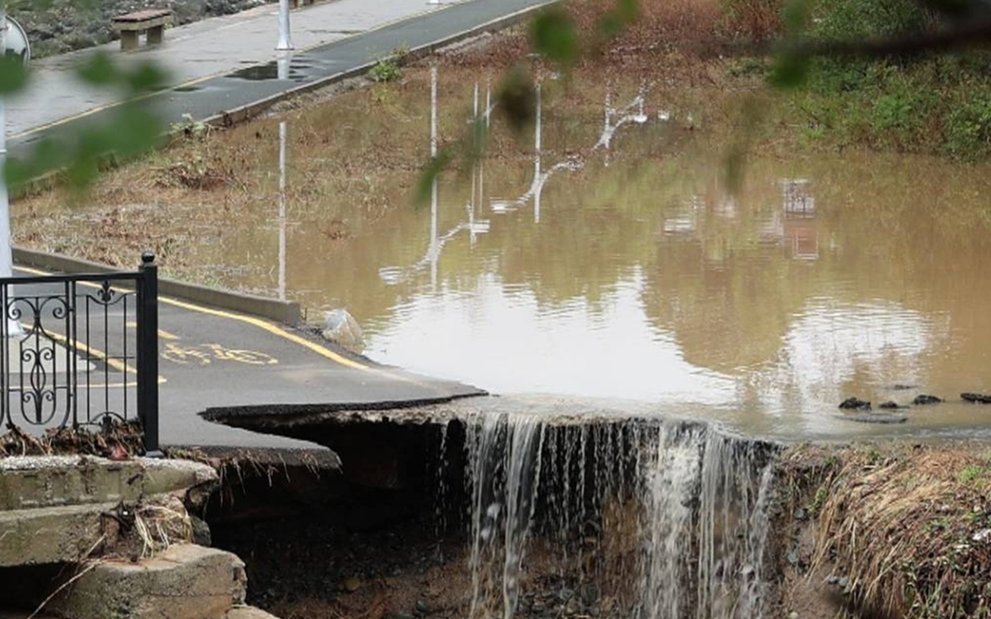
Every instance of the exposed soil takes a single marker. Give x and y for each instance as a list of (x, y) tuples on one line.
[(857, 532)]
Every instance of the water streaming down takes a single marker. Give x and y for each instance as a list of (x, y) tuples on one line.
[(664, 519)]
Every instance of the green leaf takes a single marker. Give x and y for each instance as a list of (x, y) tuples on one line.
[(424, 186), (790, 70), (147, 77), (516, 98), (554, 35), (13, 74), (619, 17), (99, 70)]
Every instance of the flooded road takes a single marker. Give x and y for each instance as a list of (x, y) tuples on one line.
[(628, 271)]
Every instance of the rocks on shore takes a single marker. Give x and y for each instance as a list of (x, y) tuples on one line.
[(62, 26)]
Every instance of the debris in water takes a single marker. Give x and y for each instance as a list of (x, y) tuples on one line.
[(890, 405), (976, 398), (855, 403)]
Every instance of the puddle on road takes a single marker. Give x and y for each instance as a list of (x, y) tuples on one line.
[(276, 70), (611, 276)]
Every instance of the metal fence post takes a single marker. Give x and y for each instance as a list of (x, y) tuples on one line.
[(148, 352)]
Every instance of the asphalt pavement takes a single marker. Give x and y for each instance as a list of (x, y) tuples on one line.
[(210, 360), (214, 359)]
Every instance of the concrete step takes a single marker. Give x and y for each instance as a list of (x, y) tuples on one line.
[(50, 534), (185, 581), (56, 481)]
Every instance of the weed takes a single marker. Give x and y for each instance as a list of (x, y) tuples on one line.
[(388, 68), (970, 473), (820, 499), (189, 127)]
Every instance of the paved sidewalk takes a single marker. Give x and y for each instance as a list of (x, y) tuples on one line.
[(203, 49)]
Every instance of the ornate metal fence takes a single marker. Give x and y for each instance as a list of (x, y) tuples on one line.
[(80, 350)]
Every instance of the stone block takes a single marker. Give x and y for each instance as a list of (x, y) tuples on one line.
[(53, 481), (185, 581), (50, 534)]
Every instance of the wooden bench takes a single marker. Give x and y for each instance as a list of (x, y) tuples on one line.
[(152, 21)]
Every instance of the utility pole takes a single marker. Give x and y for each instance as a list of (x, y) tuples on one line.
[(285, 41), (13, 41), (6, 252), (19, 46)]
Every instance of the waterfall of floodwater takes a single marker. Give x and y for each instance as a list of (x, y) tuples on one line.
[(665, 519)]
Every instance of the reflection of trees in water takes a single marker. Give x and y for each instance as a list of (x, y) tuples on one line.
[(717, 267)]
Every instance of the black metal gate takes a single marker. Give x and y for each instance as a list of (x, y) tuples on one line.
[(80, 350)]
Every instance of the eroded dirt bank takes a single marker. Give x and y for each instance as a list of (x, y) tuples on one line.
[(645, 518)]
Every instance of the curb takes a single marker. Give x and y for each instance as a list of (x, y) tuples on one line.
[(235, 116), (286, 312)]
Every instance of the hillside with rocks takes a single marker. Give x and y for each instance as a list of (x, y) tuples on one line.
[(62, 26)]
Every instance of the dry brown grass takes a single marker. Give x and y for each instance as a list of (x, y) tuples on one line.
[(126, 438), (909, 526)]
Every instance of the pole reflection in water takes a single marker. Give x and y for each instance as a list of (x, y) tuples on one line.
[(540, 177), (396, 275), (433, 186), (800, 225), (633, 112), (282, 210)]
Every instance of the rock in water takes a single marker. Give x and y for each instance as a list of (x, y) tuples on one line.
[(976, 398), (891, 405), (855, 404), (341, 328), (924, 399)]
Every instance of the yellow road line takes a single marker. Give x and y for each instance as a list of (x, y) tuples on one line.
[(162, 333), (274, 330), (257, 322), (116, 364)]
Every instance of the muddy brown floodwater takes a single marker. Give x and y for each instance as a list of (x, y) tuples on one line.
[(613, 262)]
